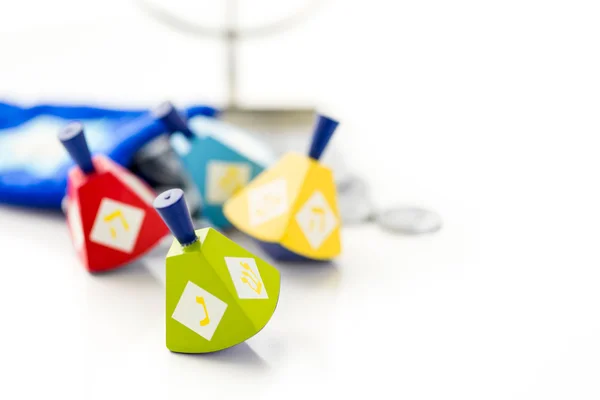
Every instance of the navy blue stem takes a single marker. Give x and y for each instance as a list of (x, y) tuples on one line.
[(172, 208), (172, 119), (324, 128), (72, 137)]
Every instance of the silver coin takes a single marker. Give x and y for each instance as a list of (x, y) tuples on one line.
[(353, 201), (409, 220)]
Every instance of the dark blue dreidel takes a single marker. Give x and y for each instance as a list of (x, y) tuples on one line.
[(217, 158), (291, 208)]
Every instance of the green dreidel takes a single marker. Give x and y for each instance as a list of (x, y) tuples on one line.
[(217, 293)]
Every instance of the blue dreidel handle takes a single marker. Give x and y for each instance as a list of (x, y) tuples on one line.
[(172, 208), (170, 117), (73, 138), (324, 128)]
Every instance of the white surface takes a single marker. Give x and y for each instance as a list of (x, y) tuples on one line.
[(484, 111)]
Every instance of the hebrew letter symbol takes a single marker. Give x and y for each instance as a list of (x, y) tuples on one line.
[(250, 279), (117, 214), (206, 320), (319, 214), (269, 201), (231, 181)]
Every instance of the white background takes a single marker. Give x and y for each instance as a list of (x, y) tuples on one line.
[(486, 111)]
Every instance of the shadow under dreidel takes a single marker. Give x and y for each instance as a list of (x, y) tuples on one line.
[(240, 354), (280, 253)]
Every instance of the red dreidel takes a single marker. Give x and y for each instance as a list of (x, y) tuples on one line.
[(109, 210)]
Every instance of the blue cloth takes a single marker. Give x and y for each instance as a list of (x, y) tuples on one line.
[(33, 163)]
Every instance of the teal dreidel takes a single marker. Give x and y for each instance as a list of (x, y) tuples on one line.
[(218, 166), (217, 293)]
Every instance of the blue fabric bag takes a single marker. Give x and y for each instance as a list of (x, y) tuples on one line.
[(33, 163)]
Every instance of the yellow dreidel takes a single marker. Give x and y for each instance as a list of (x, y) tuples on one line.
[(291, 208)]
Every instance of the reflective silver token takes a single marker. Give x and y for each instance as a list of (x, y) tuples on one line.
[(353, 201), (409, 220)]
